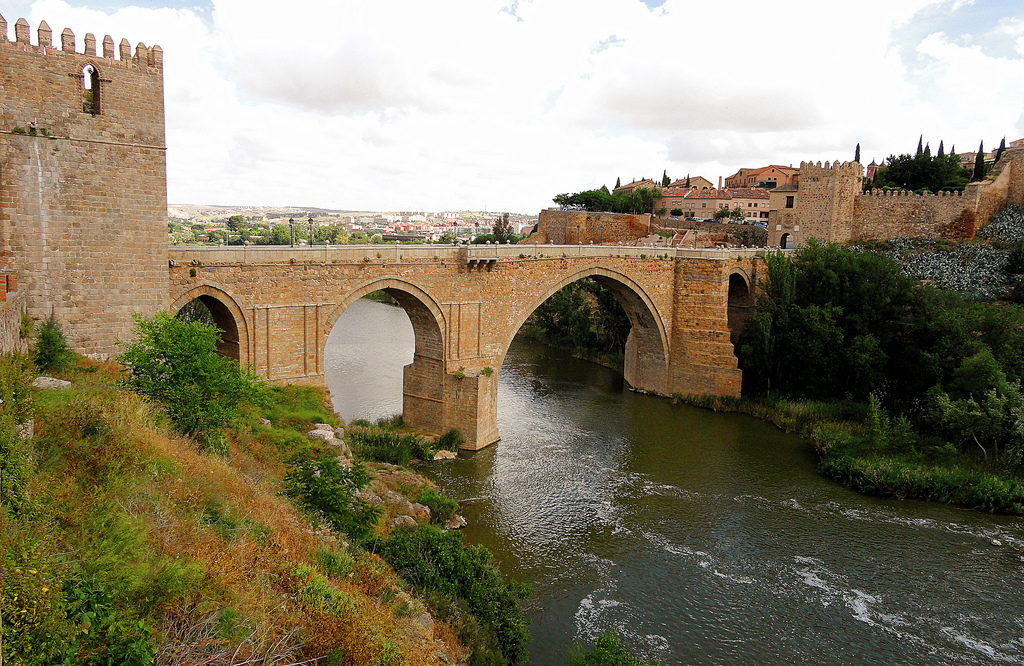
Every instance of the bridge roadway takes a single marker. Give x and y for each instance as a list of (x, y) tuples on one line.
[(276, 306)]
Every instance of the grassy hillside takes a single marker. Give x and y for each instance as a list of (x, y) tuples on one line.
[(126, 544)]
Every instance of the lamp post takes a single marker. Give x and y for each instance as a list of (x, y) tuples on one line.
[(291, 230), (311, 231)]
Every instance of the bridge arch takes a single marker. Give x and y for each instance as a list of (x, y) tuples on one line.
[(227, 315), (647, 349), (423, 380), (740, 304)]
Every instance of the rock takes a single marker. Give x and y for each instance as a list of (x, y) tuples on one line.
[(456, 522), (49, 383), (420, 512), (996, 542), (323, 426), (445, 455), (265, 422), (442, 656), (25, 430), (426, 624), (343, 449), (325, 435), (339, 432), (370, 497), (405, 522)]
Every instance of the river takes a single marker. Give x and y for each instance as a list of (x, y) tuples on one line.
[(703, 537)]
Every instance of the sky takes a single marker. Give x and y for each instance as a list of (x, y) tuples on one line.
[(498, 105)]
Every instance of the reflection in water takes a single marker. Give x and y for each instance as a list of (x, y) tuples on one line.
[(704, 537)]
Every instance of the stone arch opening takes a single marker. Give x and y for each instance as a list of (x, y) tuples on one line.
[(786, 242), (423, 378), (646, 349), (211, 306), (91, 90), (741, 304)]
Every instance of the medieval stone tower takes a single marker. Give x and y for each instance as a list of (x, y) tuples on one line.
[(827, 197), (83, 181)]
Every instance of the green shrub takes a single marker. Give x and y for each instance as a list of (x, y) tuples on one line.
[(451, 440), (26, 327), (451, 574), (293, 406), (176, 363), (51, 352), (323, 486), (387, 446), (16, 373), (442, 508), (608, 650), (335, 563), (393, 421)]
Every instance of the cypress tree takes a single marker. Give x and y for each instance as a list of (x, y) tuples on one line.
[(687, 180), (1000, 149), (928, 151), (856, 154), (941, 153), (979, 163), (920, 146), (665, 180), (618, 182)]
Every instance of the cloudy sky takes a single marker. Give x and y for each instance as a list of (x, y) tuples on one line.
[(500, 104)]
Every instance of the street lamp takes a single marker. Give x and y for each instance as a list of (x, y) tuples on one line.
[(311, 231)]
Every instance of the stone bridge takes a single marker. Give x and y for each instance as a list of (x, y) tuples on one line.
[(277, 305)]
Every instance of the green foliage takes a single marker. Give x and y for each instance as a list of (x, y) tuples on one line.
[(442, 507), (336, 563), (451, 440), (236, 223), (385, 445), (196, 310), (176, 363), (453, 575), (584, 316), (26, 327), (51, 352), (920, 172), (676, 212), (608, 650), (503, 229), (979, 163), (640, 200), (293, 406), (321, 485), (16, 374)]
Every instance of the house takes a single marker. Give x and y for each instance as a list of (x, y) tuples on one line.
[(767, 177)]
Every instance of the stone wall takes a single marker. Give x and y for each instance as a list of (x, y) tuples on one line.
[(569, 227), (83, 195), (884, 215)]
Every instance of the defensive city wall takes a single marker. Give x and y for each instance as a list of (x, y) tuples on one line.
[(828, 204)]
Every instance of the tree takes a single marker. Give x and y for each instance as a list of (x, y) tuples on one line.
[(920, 148), (1000, 149), (618, 182), (51, 352), (236, 223), (376, 239), (176, 363), (665, 180), (856, 154), (676, 212), (502, 229), (446, 238), (687, 180), (979, 163), (940, 154)]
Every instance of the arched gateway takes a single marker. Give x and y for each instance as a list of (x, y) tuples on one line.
[(277, 305)]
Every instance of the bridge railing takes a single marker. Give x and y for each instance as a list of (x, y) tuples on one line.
[(259, 254)]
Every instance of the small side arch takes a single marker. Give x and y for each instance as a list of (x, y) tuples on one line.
[(740, 302), (227, 314), (647, 348)]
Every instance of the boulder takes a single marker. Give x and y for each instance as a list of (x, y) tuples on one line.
[(420, 512), (323, 426), (405, 522), (339, 432), (456, 522), (265, 422), (370, 497), (445, 455), (49, 383), (325, 435)]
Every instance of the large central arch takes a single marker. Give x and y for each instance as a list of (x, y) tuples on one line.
[(646, 363), (227, 315), (423, 396)]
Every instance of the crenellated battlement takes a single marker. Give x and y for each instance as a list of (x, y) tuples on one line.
[(819, 169), (908, 194), (141, 56)]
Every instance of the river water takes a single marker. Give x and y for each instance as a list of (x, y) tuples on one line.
[(704, 538)]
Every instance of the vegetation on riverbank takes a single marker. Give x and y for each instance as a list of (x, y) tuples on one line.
[(934, 380), (130, 533)]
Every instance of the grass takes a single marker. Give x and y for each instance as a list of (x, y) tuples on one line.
[(134, 546)]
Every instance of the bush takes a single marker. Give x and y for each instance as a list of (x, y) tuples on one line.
[(16, 374), (387, 446), (321, 485), (608, 650), (176, 363), (442, 508), (451, 440), (448, 573), (51, 352)]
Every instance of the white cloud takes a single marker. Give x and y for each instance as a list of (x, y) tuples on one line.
[(407, 104)]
